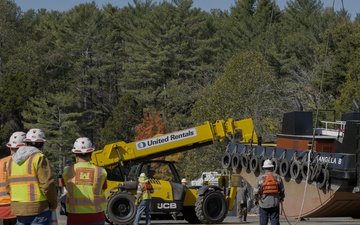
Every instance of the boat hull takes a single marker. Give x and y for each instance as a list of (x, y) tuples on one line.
[(306, 201)]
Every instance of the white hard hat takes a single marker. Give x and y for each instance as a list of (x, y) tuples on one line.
[(16, 140), (83, 145), (183, 180), (143, 178), (142, 175), (35, 135), (268, 164)]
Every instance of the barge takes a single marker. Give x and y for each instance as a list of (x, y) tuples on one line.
[(319, 166)]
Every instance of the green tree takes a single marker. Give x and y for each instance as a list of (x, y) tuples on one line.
[(121, 125), (174, 46), (55, 114), (248, 26), (248, 88), (347, 53)]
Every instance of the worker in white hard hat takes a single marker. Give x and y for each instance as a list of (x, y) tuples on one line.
[(184, 182), (15, 142), (30, 167), (86, 182), (269, 192), (143, 199)]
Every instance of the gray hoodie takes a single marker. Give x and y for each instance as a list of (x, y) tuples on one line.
[(23, 153)]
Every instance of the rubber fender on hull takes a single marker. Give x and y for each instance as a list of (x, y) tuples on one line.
[(306, 171), (316, 171), (276, 163), (235, 162), (323, 178), (295, 170), (245, 159), (254, 163), (284, 168), (226, 160)]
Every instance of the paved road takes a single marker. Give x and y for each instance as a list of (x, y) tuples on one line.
[(232, 220)]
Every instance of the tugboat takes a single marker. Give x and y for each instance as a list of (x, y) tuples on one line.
[(320, 166)]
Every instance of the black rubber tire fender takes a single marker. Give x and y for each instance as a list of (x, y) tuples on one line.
[(226, 160), (254, 163), (121, 208), (323, 178), (313, 172), (319, 169), (244, 160), (284, 167), (236, 164), (276, 163), (305, 169), (295, 170), (211, 207)]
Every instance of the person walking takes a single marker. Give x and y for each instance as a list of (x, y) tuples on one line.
[(242, 195), (16, 141), (30, 182), (143, 199), (85, 184), (269, 192)]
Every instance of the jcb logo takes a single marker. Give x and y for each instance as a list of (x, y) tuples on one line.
[(84, 176), (166, 205)]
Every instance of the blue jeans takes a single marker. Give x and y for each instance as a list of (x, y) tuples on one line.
[(271, 214), (144, 206), (43, 218)]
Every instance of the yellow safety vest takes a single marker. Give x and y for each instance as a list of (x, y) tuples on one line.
[(4, 197), (23, 180), (84, 184)]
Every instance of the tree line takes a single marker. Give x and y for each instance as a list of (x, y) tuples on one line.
[(101, 72)]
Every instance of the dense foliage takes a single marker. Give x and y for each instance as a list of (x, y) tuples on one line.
[(100, 72)]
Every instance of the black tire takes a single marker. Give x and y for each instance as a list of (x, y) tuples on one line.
[(226, 160), (244, 160), (189, 214), (121, 208), (295, 170), (254, 163), (276, 163), (317, 171), (211, 207), (284, 168), (305, 170), (313, 172), (323, 178), (235, 163)]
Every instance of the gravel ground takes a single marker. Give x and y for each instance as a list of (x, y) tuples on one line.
[(255, 220)]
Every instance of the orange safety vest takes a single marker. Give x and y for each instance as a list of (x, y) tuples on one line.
[(84, 184), (270, 185), (4, 197), (147, 189), (23, 180)]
